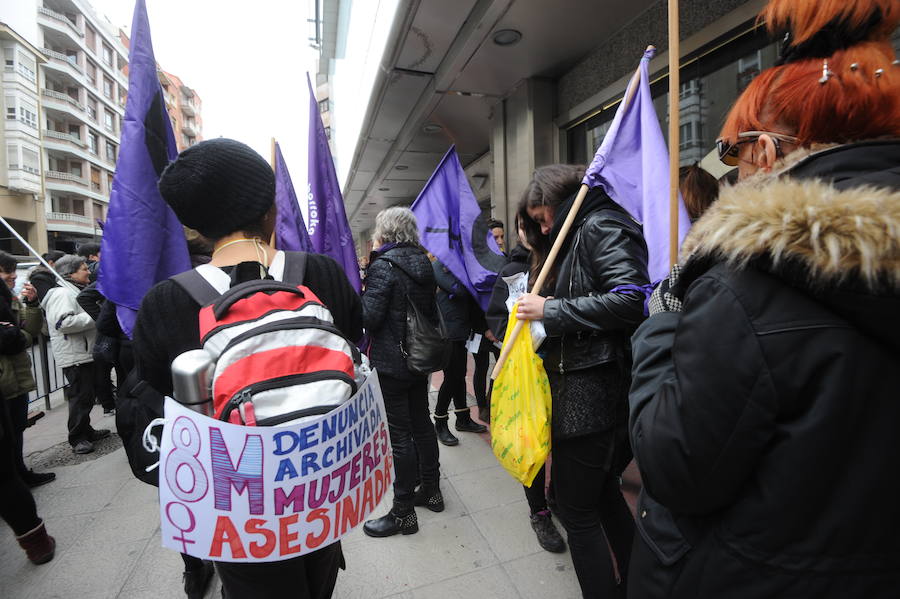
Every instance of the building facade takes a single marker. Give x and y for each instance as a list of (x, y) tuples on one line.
[(517, 84), (21, 173), (83, 88), (184, 107)]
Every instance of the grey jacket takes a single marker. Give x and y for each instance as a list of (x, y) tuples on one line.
[(72, 329)]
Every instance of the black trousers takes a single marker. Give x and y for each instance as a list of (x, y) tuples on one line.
[(413, 439), (18, 413), (17, 506), (81, 401), (311, 576), (480, 381), (103, 387), (537, 498), (454, 385), (591, 507)]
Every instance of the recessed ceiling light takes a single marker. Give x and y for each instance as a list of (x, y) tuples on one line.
[(507, 37), (371, 203), (384, 189), (401, 167), (432, 128)]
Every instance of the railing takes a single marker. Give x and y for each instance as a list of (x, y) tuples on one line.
[(60, 17), (75, 218), (48, 376), (61, 96), (62, 57), (65, 177), (74, 139)]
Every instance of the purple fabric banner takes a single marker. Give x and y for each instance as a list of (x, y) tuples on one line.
[(452, 227), (143, 241), (290, 230), (329, 231), (632, 166)]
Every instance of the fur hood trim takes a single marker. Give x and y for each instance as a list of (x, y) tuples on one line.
[(833, 234)]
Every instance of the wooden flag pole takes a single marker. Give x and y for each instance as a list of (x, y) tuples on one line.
[(674, 128), (557, 245)]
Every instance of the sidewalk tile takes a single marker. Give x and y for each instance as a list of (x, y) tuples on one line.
[(490, 583), (543, 575), (508, 530), (487, 488), (92, 570)]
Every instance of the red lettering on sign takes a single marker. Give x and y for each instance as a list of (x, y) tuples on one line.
[(254, 526), (286, 537), (226, 533), (313, 541)]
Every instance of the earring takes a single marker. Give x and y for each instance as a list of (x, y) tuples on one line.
[(826, 73)]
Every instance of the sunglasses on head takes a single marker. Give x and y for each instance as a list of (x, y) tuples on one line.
[(728, 152)]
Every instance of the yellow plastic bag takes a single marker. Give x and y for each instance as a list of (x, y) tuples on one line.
[(520, 409)]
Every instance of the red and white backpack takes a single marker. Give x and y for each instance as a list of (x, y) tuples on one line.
[(278, 356)]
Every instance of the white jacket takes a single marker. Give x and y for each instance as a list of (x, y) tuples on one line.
[(72, 330)]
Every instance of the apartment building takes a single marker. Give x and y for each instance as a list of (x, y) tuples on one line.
[(21, 181), (83, 87), (183, 105)]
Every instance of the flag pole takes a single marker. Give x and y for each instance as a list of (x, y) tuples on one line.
[(35, 253), (674, 127), (272, 164), (633, 85)]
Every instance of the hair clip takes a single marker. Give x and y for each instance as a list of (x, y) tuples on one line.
[(826, 73), (879, 73), (854, 66)]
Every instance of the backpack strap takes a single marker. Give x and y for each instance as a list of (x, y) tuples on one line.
[(294, 267), (196, 285)]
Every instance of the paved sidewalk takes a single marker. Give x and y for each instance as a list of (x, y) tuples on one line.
[(106, 525)]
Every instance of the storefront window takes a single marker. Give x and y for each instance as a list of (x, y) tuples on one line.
[(710, 83)]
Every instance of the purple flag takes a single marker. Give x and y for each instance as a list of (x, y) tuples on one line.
[(329, 231), (632, 166), (452, 227), (290, 230), (143, 242)]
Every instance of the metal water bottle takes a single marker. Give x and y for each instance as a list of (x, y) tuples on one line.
[(192, 374)]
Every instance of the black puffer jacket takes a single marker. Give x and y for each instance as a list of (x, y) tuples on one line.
[(764, 416), (384, 304), (596, 305), (461, 313)]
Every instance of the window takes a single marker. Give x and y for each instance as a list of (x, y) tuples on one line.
[(92, 142), (90, 38), (62, 204), (78, 206), (31, 161), (323, 105), (11, 108), (109, 182), (689, 88), (10, 64), (110, 151), (12, 155), (95, 182), (28, 114), (109, 121), (75, 169), (107, 55), (75, 131), (92, 108), (27, 67), (328, 133), (91, 72), (107, 88), (98, 211)]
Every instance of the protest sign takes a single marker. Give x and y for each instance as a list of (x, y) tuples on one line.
[(259, 494)]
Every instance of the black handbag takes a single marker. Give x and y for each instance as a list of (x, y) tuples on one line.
[(425, 346)]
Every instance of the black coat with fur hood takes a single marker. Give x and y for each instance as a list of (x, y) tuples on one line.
[(764, 416)]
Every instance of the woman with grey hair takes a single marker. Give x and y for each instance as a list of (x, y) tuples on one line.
[(399, 270), (72, 335)]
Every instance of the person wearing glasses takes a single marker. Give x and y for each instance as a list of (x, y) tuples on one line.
[(765, 385)]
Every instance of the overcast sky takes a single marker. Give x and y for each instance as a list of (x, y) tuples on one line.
[(246, 60)]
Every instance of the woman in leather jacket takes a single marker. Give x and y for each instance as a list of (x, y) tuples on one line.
[(591, 304)]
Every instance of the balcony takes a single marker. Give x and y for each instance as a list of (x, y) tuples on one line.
[(61, 176), (60, 59), (66, 222), (190, 129), (72, 139), (54, 17), (187, 108), (72, 218), (49, 93)]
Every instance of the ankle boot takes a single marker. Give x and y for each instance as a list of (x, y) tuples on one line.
[(430, 498), (443, 431), (401, 519), (465, 424), (38, 545)]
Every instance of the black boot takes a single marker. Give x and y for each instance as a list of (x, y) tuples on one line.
[(484, 414), (401, 519), (465, 424), (443, 431), (36, 479), (430, 498), (547, 535)]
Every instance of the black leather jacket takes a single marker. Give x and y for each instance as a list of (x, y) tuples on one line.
[(596, 305)]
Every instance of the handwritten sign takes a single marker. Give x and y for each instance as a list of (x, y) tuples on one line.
[(260, 494)]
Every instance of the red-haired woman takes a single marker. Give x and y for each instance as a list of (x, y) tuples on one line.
[(763, 412)]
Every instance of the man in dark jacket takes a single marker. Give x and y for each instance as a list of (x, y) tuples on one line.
[(762, 412)]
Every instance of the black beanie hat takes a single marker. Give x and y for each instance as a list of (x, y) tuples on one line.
[(218, 186)]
